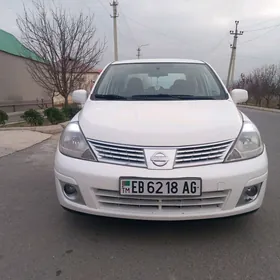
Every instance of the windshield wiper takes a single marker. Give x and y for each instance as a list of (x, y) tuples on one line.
[(154, 96), (171, 96), (195, 97), (109, 97)]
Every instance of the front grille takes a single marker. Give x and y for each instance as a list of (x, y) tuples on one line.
[(200, 154), (118, 154), (112, 200), (185, 156)]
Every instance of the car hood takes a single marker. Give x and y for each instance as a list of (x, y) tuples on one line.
[(160, 123)]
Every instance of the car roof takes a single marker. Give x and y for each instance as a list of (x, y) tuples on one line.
[(158, 60)]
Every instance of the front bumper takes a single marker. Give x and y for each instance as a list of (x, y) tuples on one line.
[(99, 186)]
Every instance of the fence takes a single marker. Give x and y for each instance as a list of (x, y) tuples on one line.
[(16, 106)]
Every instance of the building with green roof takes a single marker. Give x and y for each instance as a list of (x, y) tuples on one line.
[(10, 44), (16, 84)]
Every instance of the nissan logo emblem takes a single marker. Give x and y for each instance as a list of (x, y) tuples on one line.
[(159, 159)]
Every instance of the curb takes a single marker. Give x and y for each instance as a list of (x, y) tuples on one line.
[(259, 108), (50, 129), (11, 123), (18, 113)]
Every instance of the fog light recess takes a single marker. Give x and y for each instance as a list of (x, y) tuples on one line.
[(72, 193), (249, 194), (70, 190)]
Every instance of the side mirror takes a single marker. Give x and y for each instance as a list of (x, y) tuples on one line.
[(239, 95), (79, 96)]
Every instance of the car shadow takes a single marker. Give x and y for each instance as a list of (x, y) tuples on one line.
[(115, 228)]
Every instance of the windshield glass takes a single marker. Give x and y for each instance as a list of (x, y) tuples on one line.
[(159, 81)]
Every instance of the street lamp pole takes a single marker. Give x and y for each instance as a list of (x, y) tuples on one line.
[(139, 50)]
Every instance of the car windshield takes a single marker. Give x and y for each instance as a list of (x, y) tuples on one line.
[(159, 81)]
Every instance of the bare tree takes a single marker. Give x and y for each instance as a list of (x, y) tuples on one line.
[(257, 85), (262, 84), (63, 45), (277, 86), (269, 80), (250, 82)]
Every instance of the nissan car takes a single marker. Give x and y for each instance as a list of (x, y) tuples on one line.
[(161, 139)]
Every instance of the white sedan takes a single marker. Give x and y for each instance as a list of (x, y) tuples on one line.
[(161, 140)]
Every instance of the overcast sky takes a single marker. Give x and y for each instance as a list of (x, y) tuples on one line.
[(196, 29)]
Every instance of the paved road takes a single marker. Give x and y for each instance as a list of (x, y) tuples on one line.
[(39, 241)]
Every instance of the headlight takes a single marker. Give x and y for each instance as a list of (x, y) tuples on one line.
[(248, 144), (73, 143)]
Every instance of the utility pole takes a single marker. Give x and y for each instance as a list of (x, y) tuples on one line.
[(236, 33), (115, 4), (139, 50)]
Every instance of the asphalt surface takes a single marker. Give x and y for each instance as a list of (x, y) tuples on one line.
[(41, 241)]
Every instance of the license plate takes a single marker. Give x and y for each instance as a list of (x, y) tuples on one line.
[(161, 187)]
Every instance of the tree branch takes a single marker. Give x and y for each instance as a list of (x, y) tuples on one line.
[(64, 44)]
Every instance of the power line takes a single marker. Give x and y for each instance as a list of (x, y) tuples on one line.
[(246, 56), (217, 45), (132, 35), (155, 31), (141, 24), (231, 7), (263, 28), (262, 22), (105, 8), (116, 28), (253, 39)]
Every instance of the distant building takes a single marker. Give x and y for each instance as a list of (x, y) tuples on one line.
[(90, 78), (15, 82)]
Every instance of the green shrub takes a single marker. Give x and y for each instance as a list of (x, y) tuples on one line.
[(70, 111), (3, 117), (54, 115), (33, 117)]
